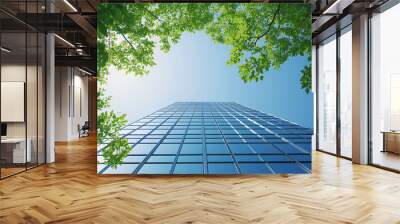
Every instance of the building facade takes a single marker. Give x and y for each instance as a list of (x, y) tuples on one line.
[(213, 138)]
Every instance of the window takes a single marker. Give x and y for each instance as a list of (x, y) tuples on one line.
[(327, 95), (188, 168), (385, 89), (346, 92), (220, 150)]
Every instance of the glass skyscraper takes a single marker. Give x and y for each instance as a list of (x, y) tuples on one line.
[(213, 138)]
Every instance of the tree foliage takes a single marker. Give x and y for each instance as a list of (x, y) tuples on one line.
[(108, 126), (261, 36)]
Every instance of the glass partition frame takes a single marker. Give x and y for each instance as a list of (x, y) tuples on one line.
[(375, 84), (32, 65), (337, 149)]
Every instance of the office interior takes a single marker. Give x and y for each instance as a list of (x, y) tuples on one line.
[(356, 80), (48, 92), (49, 53)]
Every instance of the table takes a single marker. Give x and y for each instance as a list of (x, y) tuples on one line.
[(391, 141)]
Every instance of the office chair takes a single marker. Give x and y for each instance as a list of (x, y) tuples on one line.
[(84, 130)]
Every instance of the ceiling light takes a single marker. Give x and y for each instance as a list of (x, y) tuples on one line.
[(79, 51), (65, 41), (70, 5), (84, 71), (5, 50)]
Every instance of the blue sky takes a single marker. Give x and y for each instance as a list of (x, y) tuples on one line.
[(195, 70)]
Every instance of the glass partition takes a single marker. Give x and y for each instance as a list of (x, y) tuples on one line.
[(327, 95), (22, 101), (385, 89), (31, 99), (13, 108), (346, 92)]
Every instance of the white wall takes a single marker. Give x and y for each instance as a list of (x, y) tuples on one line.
[(70, 83), (80, 94), (62, 82)]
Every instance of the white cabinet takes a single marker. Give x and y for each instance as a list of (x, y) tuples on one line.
[(18, 149)]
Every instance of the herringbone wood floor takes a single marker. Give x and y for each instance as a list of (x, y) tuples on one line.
[(70, 191)]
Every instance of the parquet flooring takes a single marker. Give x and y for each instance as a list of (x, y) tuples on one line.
[(70, 191)]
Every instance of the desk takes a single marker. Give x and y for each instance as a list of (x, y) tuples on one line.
[(391, 141), (15, 148)]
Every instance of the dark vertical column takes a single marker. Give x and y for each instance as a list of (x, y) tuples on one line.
[(26, 86), (37, 90), (317, 97), (92, 105), (45, 90), (338, 76), (369, 114)]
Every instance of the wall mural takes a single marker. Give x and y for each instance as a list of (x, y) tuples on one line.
[(204, 88)]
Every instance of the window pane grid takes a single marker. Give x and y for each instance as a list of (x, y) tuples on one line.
[(215, 138)]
